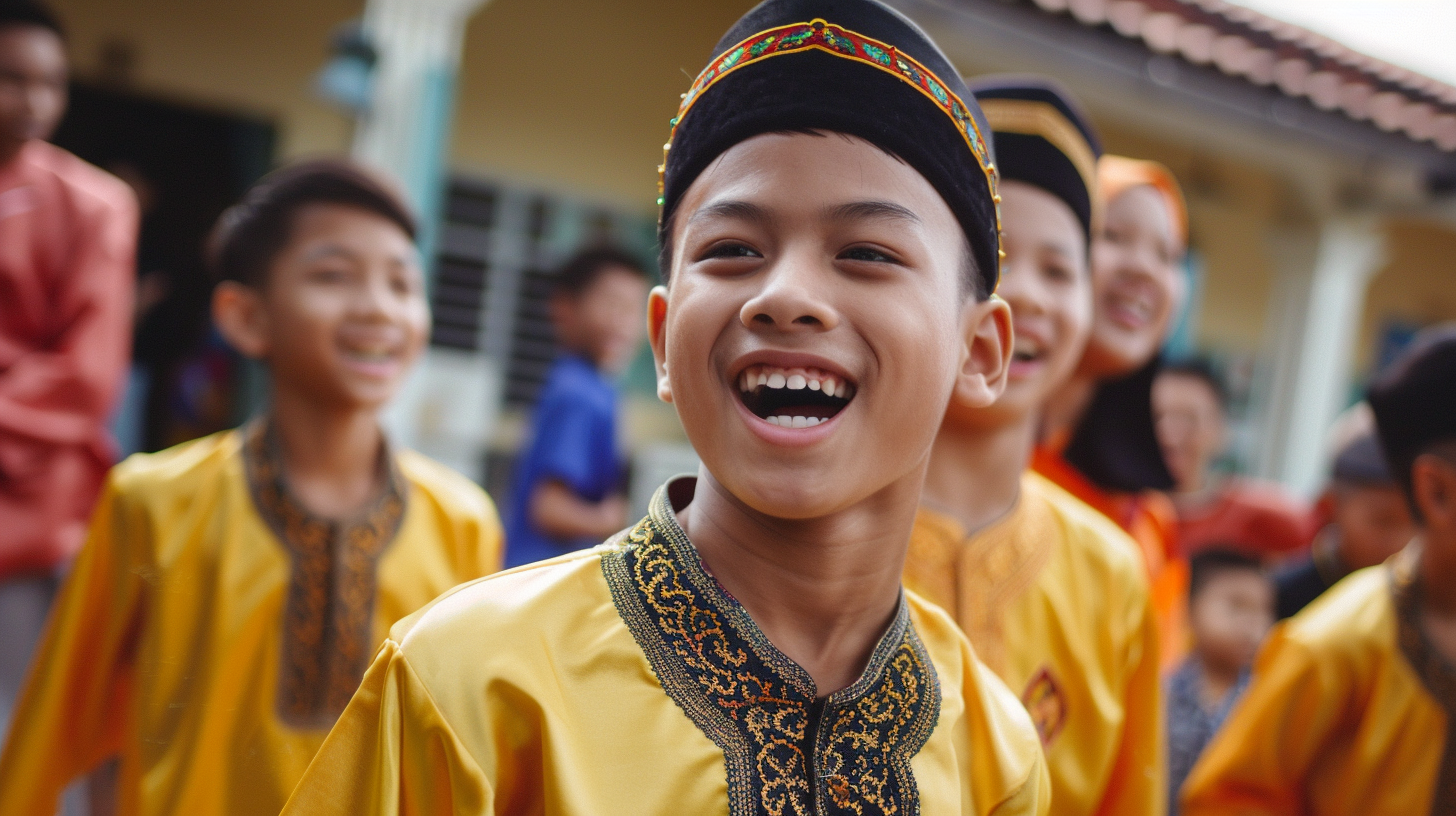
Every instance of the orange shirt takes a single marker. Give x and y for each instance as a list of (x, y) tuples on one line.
[(1150, 518), (67, 252)]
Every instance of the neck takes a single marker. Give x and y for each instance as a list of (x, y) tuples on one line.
[(823, 590), (1066, 406), (1198, 493), (975, 473), (1218, 680), (330, 455), (1438, 576)]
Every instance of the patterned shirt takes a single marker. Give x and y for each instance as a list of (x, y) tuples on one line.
[(1190, 725)]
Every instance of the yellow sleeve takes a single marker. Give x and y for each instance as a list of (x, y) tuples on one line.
[(392, 753), (75, 709), (1139, 779), (1258, 762)]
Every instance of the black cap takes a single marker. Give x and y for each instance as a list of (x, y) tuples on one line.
[(850, 66), (1415, 400), (1042, 137)]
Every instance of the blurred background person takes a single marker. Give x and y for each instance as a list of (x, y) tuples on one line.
[(1369, 521), (1190, 406), (569, 489), (233, 588), (1230, 610), (1351, 705), (1098, 440), (67, 242)]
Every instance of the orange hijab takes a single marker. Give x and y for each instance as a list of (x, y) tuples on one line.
[(1118, 174)]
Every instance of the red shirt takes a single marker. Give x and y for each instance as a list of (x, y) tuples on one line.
[(67, 254), (1255, 517)]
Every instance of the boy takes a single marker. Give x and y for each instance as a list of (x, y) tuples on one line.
[(1189, 406), (829, 237), (233, 588), (1052, 595), (1369, 522), (568, 483), (1350, 705), (67, 241), (1230, 610)]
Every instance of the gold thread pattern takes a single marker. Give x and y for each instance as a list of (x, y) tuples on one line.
[(786, 753), (329, 613)]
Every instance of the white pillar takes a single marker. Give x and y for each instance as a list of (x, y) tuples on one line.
[(406, 130), (1316, 323)]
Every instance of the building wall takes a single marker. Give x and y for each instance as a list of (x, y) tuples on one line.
[(1417, 287), (256, 57)]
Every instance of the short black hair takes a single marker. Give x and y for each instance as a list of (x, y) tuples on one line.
[(1208, 564), (251, 233), (30, 13), (585, 267), (1203, 370)]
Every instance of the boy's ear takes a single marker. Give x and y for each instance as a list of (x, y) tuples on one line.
[(986, 354), (239, 314), (657, 338)]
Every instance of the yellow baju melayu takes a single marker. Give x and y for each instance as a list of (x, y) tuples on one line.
[(1341, 718), (624, 680), (211, 630), (1054, 598)]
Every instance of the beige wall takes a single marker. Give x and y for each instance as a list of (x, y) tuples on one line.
[(250, 56), (1417, 285), (575, 95)]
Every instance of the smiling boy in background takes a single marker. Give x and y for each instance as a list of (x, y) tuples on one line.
[(1052, 595), (828, 219), (233, 588)]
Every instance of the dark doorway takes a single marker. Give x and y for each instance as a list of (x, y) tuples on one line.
[(188, 164)]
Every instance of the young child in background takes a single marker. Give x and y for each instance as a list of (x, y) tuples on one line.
[(1190, 405), (1231, 607), (1052, 595), (568, 487), (233, 588), (1351, 708), (830, 239), (1369, 522)]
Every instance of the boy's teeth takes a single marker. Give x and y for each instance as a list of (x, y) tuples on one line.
[(813, 385), (794, 421), (776, 380), (796, 379), (796, 382)]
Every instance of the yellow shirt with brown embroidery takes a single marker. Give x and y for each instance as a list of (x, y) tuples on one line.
[(623, 680), (1054, 598), (183, 619), (1336, 722)]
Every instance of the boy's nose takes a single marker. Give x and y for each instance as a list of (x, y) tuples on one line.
[(790, 300)]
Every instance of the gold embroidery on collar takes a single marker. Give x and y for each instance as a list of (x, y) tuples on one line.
[(758, 706), (328, 618), (1437, 675)]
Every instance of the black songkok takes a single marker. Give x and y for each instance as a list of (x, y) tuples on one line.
[(1362, 462), (850, 66), (1042, 137), (1415, 400)]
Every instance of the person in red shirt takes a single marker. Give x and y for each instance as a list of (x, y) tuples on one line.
[(1254, 517), (67, 245)]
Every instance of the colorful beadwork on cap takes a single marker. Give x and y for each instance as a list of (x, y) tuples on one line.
[(819, 34)]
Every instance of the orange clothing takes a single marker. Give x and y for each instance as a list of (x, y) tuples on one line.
[(1150, 518), (67, 252), (1338, 721), (1251, 516)]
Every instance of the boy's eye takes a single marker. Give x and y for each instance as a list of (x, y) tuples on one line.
[(867, 254), (731, 250), (327, 275)]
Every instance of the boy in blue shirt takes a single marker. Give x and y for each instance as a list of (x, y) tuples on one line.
[(567, 493)]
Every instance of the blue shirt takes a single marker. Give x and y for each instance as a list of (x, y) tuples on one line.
[(573, 440)]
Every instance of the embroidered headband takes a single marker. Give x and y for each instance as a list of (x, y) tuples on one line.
[(826, 87)]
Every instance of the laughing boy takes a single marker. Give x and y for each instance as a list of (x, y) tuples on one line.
[(830, 239)]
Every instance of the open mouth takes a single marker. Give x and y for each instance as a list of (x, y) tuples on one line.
[(793, 397)]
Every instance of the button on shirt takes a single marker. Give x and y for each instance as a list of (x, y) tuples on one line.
[(573, 441)]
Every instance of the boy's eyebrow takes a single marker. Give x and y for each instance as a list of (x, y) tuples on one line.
[(872, 209), (740, 210), (327, 249)]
